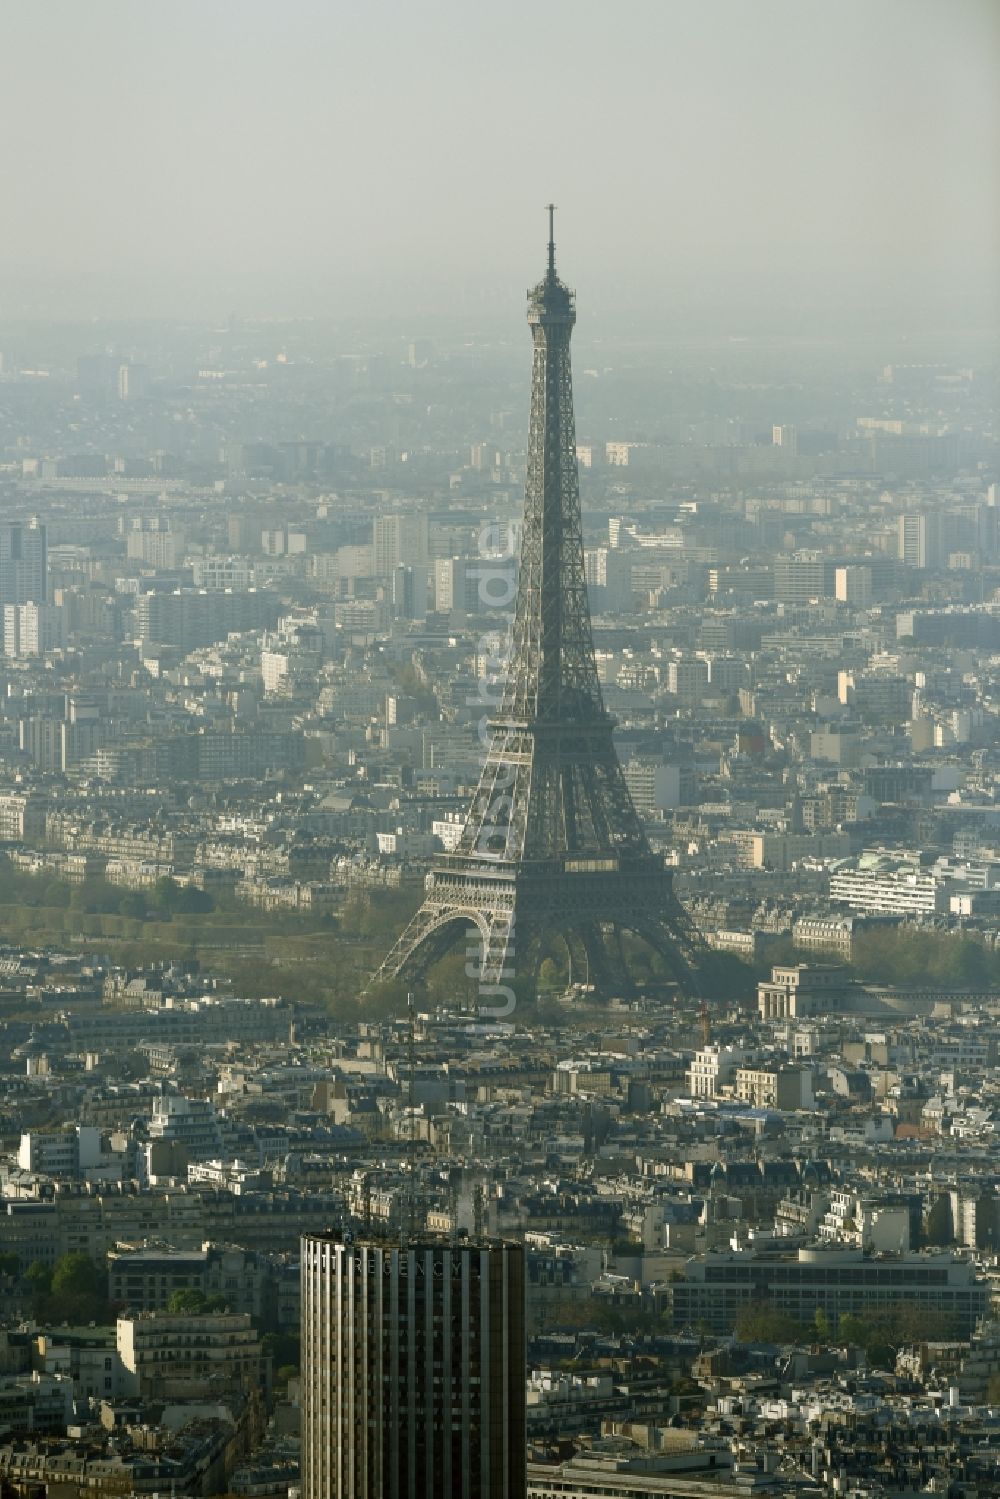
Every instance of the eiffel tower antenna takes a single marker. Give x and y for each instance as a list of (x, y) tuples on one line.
[(552, 855)]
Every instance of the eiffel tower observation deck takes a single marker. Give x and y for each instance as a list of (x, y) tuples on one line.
[(552, 859)]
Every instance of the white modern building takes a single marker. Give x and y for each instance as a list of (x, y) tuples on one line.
[(882, 886), (713, 1068)]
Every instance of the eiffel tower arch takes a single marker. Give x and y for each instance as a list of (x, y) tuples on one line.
[(552, 849)]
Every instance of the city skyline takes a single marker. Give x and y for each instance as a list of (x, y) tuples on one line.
[(634, 719)]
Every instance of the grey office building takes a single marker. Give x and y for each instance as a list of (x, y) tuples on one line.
[(413, 1370), (837, 1280), (23, 563)]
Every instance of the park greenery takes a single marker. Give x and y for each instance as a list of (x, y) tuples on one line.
[(926, 959), (908, 957), (312, 958), (567, 1312), (880, 1330), (95, 896), (325, 958)]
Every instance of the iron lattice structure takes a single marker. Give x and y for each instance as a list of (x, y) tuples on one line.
[(552, 851)]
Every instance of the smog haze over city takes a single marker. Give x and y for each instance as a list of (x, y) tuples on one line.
[(797, 161), (500, 798)]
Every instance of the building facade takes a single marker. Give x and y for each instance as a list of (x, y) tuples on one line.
[(190, 1356), (23, 563), (713, 1068), (882, 886), (413, 1370), (33, 629), (800, 989), (716, 1287), (775, 1086)]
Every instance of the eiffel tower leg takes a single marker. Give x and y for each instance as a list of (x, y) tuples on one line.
[(430, 933), (621, 961), (573, 948), (606, 969), (619, 957), (494, 963), (665, 942), (510, 949), (582, 951)]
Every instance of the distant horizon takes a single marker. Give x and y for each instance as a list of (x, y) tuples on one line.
[(737, 303), (710, 163), (716, 309)]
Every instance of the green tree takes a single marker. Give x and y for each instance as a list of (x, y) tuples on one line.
[(550, 975), (881, 1332), (851, 1329), (39, 1278), (930, 959), (448, 980), (194, 1303), (909, 1322), (191, 901), (79, 1290), (165, 894), (188, 1302), (763, 1322), (96, 896), (57, 894), (822, 1324)]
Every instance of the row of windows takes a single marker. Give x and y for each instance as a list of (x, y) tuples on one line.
[(823, 1275)]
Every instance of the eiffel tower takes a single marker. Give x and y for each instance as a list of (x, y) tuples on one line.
[(552, 857)]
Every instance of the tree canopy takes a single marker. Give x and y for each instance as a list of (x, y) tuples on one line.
[(76, 1292), (925, 958), (194, 1303), (763, 1322)]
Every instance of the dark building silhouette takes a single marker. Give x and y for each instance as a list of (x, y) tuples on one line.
[(413, 1370), (23, 563)]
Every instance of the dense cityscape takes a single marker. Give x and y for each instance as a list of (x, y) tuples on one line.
[(240, 717), (499, 900)]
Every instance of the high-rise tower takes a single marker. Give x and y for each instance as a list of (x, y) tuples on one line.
[(552, 854), (23, 563), (413, 1370)]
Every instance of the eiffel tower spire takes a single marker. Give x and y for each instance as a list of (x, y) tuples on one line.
[(552, 855)]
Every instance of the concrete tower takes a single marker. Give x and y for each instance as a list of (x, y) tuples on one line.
[(413, 1370)]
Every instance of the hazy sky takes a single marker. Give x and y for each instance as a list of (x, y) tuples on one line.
[(327, 155)]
